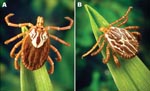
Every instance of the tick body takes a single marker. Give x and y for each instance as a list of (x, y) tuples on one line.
[(120, 41), (35, 44), (35, 54)]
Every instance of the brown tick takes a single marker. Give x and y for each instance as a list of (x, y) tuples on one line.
[(119, 40), (35, 45)]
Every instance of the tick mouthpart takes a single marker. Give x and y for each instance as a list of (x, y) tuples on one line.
[(103, 29), (40, 21)]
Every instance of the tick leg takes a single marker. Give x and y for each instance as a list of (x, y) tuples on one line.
[(12, 53), (14, 38), (99, 49), (16, 25), (96, 44), (123, 17), (51, 71), (59, 40), (116, 60), (107, 55), (57, 52), (137, 35), (132, 28), (17, 67), (126, 19), (61, 28)]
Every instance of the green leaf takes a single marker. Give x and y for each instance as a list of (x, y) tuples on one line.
[(133, 75), (37, 80)]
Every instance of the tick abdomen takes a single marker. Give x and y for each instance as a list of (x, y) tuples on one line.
[(122, 42)]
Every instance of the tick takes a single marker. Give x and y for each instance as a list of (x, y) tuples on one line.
[(35, 44), (120, 41)]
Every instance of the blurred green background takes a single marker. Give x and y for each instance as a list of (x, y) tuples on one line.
[(91, 73), (53, 12)]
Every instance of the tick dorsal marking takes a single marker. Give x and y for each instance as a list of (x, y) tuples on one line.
[(37, 38), (32, 34), (121, 41)]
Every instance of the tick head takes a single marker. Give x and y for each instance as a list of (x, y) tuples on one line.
[(40, 21), (103, 29)]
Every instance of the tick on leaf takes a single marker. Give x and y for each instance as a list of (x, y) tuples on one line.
[(35, 44), (118, 40)]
